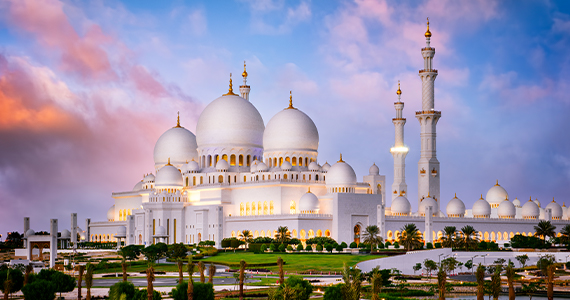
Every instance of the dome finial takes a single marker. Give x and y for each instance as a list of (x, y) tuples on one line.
[(309, 190), (497, 184), (340, 158), (244, 74), (455, 195), (231, 89), (399, 92), (481, 197), (552, 199), (178, 121), (168, 164), (290, 100), (428, 33)]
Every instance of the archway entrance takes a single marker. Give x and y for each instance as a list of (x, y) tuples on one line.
[(357, 233)]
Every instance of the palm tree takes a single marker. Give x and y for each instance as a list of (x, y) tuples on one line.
[(242, 265), (449, 238), (211, 273), (480, 276), (180, 265), (544, 229), (149, 280), (89, 279), (411, 237), (28, 269), (470, 239), (281, 274), (283, 234), (550, 282), (565, 234), (376, 282), (81, 270), (371, 236), (190, 269), (441, 281), (352, 283), (510, 273), (245, 236), (202, 269), (496, 283)]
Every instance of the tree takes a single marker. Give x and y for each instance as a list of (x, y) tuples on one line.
[(544, 262), (283, 235), (149, 280), (202, 291), (63, 282), (151, 252), (39, 289), (496, 283), (550, 282), (190, 286), (470, 239), (79, 280), (441, 281), (545, 229), (121, 288), (294, 288), (11, 281), (211, 273), (417, 267), (376, 281), (411, 237), (469, 265), (510, 273), (352, 283), (333, 292), (178, 252), (565, 234), (372, 236), (449, 264), (281, 273), (449, 236), (130, 252), (245, 236), (522, 259), (242, 265), (531, 288), (89, 279), (28, 270), (480, 276), (202, 269), (429, 266)]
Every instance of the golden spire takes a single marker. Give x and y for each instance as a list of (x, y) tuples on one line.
[(399, 92), (563, 204), (309, 190), (290, 101), (340, 158), (168, 164), (497, 184), (244, 74), (455, 196), (552, 199), (530, 199), (481, 197), (506, 197), (231, 89), (178, 121), (428, 33)]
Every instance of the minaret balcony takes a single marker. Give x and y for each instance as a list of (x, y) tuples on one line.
[(428, 112), (428, 71)]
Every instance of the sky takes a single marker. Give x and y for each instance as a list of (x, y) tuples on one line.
[(87, 87)]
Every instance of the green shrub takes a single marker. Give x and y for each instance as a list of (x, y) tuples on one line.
[(380, 246), (396, 245), (272, 247), (16, 280), (388, 244), (333, 292), (122, 287), (309, 248), (320, 240), (482, 245), (299, 247), (303, 287), (263, 248), (429, 246), (39, 289), (143, 295), (353, 245), (343, 245), (202, 291), (281, 248), (339, 248), (437, 245), (289, 248), (319, 247), (329, 247), (507, 245)]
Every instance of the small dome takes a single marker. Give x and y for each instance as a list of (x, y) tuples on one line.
[(262, 167), (192, 166), (530, 210), (30, 232), (168, 176), (314, 166), (537, 202), (506, 210), (290, 130), (148, 178), (427, 202), (286, 166), (455, 208), (253, 167), (517, 202), (309, 203), (496, 195), (374, 170), (401, 206), (160, 231), (65, 234), (121, 231), (556, 210), (138, 186), (111, 214), (481, 208), (222, 165), (326, 167), (341, 174), (177, 144)]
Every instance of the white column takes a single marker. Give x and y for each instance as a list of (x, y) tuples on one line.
[(53, 243), (87, 230), (399, 151), (74, 230), (130, 237), (429, 224), (26, 228), (381, 220)]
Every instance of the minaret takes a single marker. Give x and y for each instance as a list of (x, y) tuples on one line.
[(428, 166), (244, 89), (399, 151)]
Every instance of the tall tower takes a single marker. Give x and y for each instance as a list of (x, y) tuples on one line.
[(399, 151), (428, 166), (244, 89)]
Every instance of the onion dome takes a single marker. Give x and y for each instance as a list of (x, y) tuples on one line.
[(290, 130), (564, 211), (65, 234), (374, 170), (177, 144), (427, 202), (138, 186), (428, 33), (455, 208), (262, 167), (530, 210), (149, 178), (230, 121), (309, 203), (401, 206), (121, 231), (192, 166), (30, 232), (168, 176), (496, 195), (341, 175), (253, 168), (326, 167), (286, 166), (314, 167), (537, 202), (517, 202), (160, 231), (506, 210), (556, 210), (481, 208), (222, 165), (111, 214)]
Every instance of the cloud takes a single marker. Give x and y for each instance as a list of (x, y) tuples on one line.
[(274, 10), (196, 23)]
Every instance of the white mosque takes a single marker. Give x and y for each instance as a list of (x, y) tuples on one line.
[(237, 173)]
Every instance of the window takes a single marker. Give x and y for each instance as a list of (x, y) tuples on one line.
[(292, 207), (271, 207), (241, 160), (294, 163), (233, 160), (241, 210)]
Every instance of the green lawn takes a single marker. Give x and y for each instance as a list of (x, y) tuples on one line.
[(293, 262)]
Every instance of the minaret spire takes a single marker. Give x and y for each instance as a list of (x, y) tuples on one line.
[(244, 89), (290, 101), (178, 121), (231, 89), (399, 151), (428, 182)]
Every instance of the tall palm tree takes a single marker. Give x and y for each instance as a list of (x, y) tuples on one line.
[(565, 234), (283, 234), (81, 271), (544, 229), (245, 236), (510, 273), (470, 239), (411, 237), (352, 283), (89, 279), (441, 281), (28, 269), (211, 273), (281, 273), (202, 269), (550, 282), (480, 276), (449, 239), (190, 269), (242, 265), (371, 236), (149, 280), (376, 282), (180, 265)]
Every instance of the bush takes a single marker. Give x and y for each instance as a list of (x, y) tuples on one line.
[(353, 245), (16, 280), (380, 246), (319, 247), (343, 245), (263, 248), (329, 247), (295, 282), (339, 248), (39, 289), (272, 247), (320, 240), (429, 246), (396, 245), (299, 247), (333, 292), (482, 245), (388, 244), (281, 248), (143, 295), (309, 248), (507, 245), (289, 248), (202, 291), (437, 245), (567, 265), (122, 287)]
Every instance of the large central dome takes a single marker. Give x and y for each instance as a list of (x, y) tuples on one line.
[(229, 122), (291, 129)]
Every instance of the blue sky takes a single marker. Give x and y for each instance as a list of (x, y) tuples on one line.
[(86, 88)]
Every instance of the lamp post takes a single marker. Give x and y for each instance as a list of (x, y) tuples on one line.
[(484, 259), (473, 262)]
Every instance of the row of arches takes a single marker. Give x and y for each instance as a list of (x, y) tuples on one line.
[(483, 236), (344, 190), (234, 160), (303, 234), (159, 198), (251, 209), (295, 161), (102, 238), (123, 213)]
